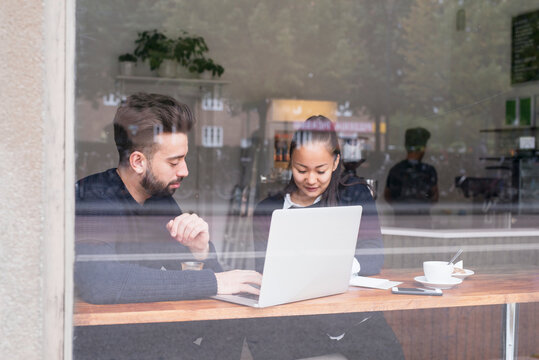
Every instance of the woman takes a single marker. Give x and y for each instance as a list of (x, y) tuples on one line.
[(316, 165), (315, 161)]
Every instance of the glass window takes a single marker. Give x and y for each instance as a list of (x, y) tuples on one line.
[(425, 114)]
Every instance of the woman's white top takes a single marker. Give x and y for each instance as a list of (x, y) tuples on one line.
[(288, 203)]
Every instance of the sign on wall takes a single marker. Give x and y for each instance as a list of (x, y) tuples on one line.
[(299, 110), (525, 48)]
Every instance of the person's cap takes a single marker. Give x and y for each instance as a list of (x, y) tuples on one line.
[(416, 139)]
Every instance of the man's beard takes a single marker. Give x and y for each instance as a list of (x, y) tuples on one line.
[(155, 187)]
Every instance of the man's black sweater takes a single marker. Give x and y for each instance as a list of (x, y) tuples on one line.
[(124, 252)]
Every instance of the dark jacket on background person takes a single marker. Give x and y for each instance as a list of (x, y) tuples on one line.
[(410, 184)]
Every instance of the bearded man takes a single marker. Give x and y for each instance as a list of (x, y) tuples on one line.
[(131, 235)]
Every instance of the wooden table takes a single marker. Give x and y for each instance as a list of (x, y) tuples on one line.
[(506, 287)]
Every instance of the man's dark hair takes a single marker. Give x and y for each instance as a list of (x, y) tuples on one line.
[(142, 117), (415, 139)]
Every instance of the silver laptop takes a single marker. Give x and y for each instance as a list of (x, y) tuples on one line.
[(309, 254)]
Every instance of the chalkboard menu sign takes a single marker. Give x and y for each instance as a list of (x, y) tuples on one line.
[(525, 48)]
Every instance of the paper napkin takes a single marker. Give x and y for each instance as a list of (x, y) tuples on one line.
[(373, 283)]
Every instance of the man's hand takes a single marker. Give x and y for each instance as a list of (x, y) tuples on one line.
[(236, 281), (191, 231)]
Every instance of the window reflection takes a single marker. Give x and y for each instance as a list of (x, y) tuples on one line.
[(376, 70)]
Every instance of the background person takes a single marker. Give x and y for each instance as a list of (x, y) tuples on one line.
[(129, 213), (315, 162), (412, 185)]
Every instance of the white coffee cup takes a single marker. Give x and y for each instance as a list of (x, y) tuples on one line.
[(437, 271)]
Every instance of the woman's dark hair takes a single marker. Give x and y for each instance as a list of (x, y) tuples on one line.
[(142, 117), (319, 129)]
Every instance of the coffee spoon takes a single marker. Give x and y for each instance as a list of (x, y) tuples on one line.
[(455, 257)]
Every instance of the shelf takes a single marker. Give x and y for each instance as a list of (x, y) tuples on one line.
[(520, 155), (155, 79), (497, 158), (510, 129)]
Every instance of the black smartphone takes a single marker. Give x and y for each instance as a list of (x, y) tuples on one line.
[(417, 291)]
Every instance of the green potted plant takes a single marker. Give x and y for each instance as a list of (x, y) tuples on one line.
[(154, 47), (127, 64), (206, 68), (187, 49), (163, 58), (182, 57)]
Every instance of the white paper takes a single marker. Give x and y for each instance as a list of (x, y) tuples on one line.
[(373, 283), (356, 267)]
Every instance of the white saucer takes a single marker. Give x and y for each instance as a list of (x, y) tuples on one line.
[(463, 276), (447, 285)]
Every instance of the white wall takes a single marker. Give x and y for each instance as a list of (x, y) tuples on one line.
[(32, 184)]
